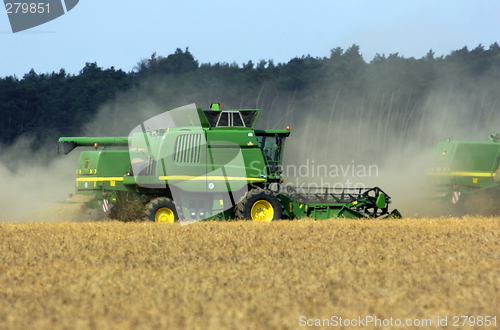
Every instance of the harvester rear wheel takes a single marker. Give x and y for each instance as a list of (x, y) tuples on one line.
[(161, 209), (259, 205)]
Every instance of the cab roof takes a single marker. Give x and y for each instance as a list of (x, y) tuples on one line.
[(235, 119)]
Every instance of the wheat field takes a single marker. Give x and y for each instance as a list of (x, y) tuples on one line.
[(248, 275)]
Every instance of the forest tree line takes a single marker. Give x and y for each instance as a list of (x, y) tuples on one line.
[(340, 101)]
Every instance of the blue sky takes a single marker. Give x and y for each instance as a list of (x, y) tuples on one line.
[(120, 33)]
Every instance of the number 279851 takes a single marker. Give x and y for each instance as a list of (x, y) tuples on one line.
[(27, 8)]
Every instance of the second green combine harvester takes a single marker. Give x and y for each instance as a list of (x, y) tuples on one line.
[(193, 164), (466, 175)]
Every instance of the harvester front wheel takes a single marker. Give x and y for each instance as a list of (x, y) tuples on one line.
[(259, 205), (161, 209)]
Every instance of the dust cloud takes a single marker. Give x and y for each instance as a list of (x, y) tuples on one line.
[(34, 182)]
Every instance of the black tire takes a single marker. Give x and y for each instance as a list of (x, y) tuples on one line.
[(161, 209), (259, 205)]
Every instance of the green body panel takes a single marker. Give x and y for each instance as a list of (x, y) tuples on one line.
[(100, 171), (463, 167), (229, 152), (380, 203), (196, 157)]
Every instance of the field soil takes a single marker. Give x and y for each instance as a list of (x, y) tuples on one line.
[(248, 275)]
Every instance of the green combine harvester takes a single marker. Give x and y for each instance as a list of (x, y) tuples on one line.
[(466, 175), (191, 164)]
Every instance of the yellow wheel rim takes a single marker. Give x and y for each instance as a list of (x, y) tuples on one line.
[(262, 211), (164, 215)]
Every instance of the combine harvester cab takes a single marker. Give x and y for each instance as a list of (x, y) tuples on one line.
[(192, 164), (466, 174)]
